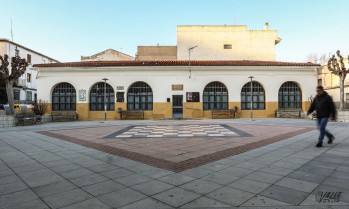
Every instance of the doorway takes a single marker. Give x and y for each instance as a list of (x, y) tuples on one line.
[(177, 106)]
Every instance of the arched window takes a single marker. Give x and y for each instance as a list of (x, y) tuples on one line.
[(258, 96), (139, 97), (97, 97), (64, 97), (215, 96), (290, 96)]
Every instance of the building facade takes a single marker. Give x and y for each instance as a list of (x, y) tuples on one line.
[(216, 42), (167, 89), (227, 42), (156, 53), (25, 91), (107, 55), (331, 84)]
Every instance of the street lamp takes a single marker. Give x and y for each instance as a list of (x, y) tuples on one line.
[(251, 109), (189, 50), (105, 99)]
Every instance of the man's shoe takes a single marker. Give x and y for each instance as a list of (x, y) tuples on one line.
[(318, 145), (330, 139)]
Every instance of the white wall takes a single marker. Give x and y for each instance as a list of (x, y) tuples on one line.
[(161, 79), (10, 49)]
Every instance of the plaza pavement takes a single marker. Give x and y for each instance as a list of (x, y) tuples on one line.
[(39, 171)]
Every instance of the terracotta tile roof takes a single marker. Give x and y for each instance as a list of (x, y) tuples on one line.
[(175, 63)]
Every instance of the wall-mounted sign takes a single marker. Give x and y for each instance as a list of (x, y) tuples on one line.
[(82, 95), (193, 96), (177, 87), (120, 88)]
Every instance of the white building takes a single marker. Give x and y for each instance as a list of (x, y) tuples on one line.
[(26, 89), (167, 89)]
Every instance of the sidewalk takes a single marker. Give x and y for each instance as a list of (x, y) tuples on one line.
[(38, 171)]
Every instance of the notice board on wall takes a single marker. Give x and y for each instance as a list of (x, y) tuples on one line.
[(193, 96)]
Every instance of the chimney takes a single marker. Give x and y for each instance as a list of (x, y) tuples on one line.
[(266, 26)]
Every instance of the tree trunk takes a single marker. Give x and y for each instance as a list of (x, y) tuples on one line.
[(342, 104), (9, 91)]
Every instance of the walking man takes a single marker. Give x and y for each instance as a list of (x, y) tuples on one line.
[(325, 108)]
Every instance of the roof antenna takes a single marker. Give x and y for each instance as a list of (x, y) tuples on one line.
[(16, 50), (11, 31), (235, 17)]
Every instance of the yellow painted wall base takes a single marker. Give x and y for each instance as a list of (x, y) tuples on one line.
[(82, 109), (192, 110), (163, 110)]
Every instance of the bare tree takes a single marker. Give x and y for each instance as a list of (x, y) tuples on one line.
[(312, 58), (323, 59), (18, 67), (336, 66), (315, 58)]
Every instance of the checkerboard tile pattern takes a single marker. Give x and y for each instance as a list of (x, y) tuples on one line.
[(173, 131), (191, 145)]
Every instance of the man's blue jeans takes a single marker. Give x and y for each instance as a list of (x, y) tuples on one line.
[(321, 123)]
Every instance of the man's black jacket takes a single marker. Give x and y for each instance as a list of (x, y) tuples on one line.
[(323, 105)]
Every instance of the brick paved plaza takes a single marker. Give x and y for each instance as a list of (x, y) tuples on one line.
[(267, 163)]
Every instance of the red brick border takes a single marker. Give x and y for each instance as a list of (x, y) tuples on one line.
[(176, 166)]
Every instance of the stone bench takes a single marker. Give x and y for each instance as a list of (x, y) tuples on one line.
[(23, 119), (131, 114), (288, 113), (64, 116), (224, 114)]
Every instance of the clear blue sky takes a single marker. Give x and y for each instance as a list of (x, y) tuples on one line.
[(67, 29)]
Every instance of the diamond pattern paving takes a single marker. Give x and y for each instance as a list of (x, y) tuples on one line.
[(177, 147)]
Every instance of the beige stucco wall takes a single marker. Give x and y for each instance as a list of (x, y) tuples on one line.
[(246, 44), (156, 53), (3, 48), (108, 55)]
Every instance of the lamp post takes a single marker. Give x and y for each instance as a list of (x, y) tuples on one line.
[(189, 50), (251, 109), (105, 99)]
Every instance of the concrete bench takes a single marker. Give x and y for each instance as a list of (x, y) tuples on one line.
[(288, 113), (26, 119), (131, 114), (224, 114), (64, 116)]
